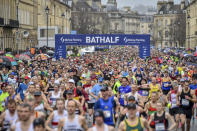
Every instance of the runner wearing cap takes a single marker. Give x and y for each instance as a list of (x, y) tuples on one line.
[(99, 120), (124, 113), (79, 107), (40, 104), (133, 122), (23, 87), (72, 121), (108, 105)]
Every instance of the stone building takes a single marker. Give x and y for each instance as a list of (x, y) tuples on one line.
[(23, 23), (191, 24), (59, 21), (89, 17), (146, 25), (124, 22), (169, 25), (18, 24)]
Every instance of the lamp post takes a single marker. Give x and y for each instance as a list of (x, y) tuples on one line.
[(188, 17), (17, 32), (47, 13), (63, 22)]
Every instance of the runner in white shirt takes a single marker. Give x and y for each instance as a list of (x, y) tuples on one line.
[(72, 122), (56, 115), (53, 95), (26, 121), (9, 117)]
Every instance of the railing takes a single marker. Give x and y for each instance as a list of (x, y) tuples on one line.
[(1, 21), (12, 23)]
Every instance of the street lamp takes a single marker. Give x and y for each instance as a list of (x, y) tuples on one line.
[(17, 32), (47, 13), (63, 22)]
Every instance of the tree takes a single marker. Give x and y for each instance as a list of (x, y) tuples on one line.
[(86, 22)]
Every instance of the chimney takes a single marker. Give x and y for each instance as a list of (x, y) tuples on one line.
[(127, 8), (160, 3), (89, 2), (170, 4), (182, 4)]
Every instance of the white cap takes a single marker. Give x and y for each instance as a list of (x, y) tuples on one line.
[(71, 81), (83, 75)]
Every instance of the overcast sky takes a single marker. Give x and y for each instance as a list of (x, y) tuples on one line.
[(132, 3)]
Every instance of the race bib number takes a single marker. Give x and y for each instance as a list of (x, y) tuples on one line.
[(145, 93), (159, 127), (166, 85), (3, 104), (185, 102), (24, 91), (107, 114), (173, 104), (139, 78), (122, 96)]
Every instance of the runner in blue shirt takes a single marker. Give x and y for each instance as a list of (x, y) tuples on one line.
[(123, 89), (108, 105)]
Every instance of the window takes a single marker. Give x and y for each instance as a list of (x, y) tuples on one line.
[(43, 33), (166, 22), (166, 34), (116, 26)]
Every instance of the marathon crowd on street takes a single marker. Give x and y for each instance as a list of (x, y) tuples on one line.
[(112, 90)]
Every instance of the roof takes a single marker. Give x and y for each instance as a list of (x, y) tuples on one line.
[(79, 5), (174, 9)]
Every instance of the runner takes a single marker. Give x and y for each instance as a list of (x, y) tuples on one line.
[(72, 121), (56, 115), (172, 105), (108, 105), (186, 99), (39, 125), (161, 119), (79, 107), (9, 116), (53, 95), (133, 122), (99, 120), (150, 107), (25, 123), (123, 90)]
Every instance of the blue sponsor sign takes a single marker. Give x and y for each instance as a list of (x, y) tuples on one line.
[(143, 41)]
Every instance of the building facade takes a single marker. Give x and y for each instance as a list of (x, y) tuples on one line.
[(23, 23), (124, 21), (89, 17), (59, 21), (169, 25), (146, 25), (191, 25)]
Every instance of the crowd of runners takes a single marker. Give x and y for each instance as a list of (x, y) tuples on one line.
[(100, 91)]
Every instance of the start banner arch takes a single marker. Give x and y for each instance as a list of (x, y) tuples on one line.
[(142, 41)]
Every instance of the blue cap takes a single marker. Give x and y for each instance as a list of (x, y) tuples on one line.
[(100, 79), (12, 73)]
